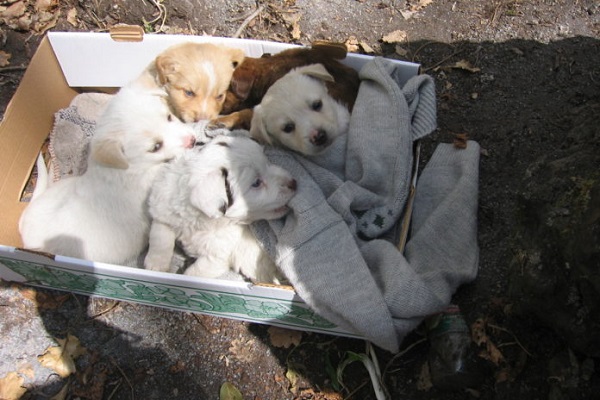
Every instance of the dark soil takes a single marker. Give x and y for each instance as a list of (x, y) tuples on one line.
[(522, 78)]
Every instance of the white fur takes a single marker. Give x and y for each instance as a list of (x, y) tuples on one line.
[(289, 104), (101, 215), (205, 200)]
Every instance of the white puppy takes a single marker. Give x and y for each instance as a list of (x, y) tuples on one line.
[(299, 114), (102, 214), (205, 201)]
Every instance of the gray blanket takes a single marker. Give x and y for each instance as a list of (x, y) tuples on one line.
[(330, 246)]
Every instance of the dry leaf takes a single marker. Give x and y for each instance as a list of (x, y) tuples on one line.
[(465, 65), (366, 48), (11, 386), (401, 51), (4, 58), (16, 10), (229, 392), (460, 142), (61, 358), (407, 14), (72, 17), (352, 44), (281, 337), (395, 37), (45, 5), (420, 4), (424, 379), (296, 32), (478, 334), (293, 377)]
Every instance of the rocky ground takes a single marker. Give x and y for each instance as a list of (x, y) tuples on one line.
[(520, 77)]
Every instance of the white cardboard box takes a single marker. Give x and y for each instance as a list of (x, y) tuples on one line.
[(63, 66)]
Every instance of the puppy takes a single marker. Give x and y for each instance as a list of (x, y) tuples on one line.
[(298, 113), (195, 76), (254, 76), (205, 201), (101, 215)]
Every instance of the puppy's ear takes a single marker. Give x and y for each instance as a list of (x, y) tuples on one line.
[(237, 56), (211, 194), (166, 66), (242, 82), (317, 71), (109, 152), (258, 128)]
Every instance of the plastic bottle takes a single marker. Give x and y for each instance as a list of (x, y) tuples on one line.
[(452, 361)]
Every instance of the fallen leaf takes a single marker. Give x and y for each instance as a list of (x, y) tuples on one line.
[(281, 337), (352, 44), (292, 377), (293, 20), (24, 23), (460, 142), (45, 5), (407, 14), (46, 21), (229, 392), (366, 48), (424, 382), (15, 10), (401, 51), (11, 386), (72, 17), (4, 58), (395, 37), (420, 4), (61, 358), (465, 65)]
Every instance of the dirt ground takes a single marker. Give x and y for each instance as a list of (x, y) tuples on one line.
[(520, 77)]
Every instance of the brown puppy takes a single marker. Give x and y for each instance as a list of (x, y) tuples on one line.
[(195, 77), (254, 76)]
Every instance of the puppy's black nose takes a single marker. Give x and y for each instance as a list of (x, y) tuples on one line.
[(319, 138), (292, 185)]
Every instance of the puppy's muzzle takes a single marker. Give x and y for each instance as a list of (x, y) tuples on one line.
[(319, 137)]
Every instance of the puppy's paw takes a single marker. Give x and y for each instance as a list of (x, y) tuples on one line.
[(154, 262), (224, 122), (204, 268)]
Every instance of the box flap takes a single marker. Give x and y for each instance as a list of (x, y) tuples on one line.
[(96, 60), (41, 93)]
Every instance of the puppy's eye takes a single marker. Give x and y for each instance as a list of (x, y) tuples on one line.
[(157, 146), (220, 97), (317, 105), (257, 183), (289, 127), (169, 118), (189, 93)]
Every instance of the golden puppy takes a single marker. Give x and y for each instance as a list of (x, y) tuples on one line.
[(195, 76)]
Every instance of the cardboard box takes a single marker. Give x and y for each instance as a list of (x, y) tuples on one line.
[(64, 65)]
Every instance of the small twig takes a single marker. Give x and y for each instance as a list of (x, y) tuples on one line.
[(110, 396), (13, 68), (248, 20), (109, 309), (400, 354), (162, 13), (442, 61), (512, 334), (124, 377), (355, 390)]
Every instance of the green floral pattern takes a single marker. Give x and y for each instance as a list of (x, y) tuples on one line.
[(253, 308)]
